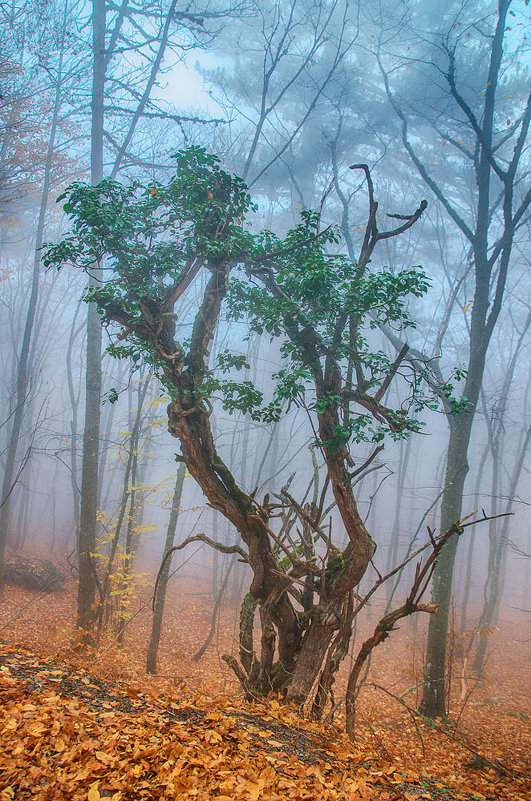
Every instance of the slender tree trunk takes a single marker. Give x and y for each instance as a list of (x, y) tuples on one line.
[(494, 559), (467, 583), (74, 403), (215, 612), (86, 596), (215, 556), (127, 496), (129, 554), (54, 508), (495, 575), (22, 520), (392, 554), (433, 702), (470, 550), (158, 609)]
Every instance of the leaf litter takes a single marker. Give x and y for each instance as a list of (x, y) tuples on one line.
[(66, 733)]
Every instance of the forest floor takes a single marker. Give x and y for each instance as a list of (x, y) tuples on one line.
[(96, 726)]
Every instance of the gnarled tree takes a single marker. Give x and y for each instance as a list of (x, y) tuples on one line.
[(153, 243)]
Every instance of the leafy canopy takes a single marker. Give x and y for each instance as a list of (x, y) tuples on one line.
[(147, 243)]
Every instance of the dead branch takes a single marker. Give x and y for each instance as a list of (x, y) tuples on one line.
[(240, 674), (434, 542), (412, 604), (367, 462), (303, 514), (392, 372)]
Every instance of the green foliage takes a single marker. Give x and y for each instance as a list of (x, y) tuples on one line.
[(227, 361), (323, 306), (144, 237), (320, 288), (112, 395), (234, 395), (324, 309)]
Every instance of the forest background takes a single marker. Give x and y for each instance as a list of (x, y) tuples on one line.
[(290, 96)]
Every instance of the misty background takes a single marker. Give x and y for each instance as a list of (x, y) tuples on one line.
[(289, 95)]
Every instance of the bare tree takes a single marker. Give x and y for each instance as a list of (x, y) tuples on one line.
[(495, 152), (23, 376)]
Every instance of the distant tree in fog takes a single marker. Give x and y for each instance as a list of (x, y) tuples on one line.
[(54, 38), (481, 114)]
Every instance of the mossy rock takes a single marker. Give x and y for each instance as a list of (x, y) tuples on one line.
[(33, 573)]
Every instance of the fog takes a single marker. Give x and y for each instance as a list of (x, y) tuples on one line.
[(288, 96)]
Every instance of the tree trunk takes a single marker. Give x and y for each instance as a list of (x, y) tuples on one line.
[(470, 550), (215, 613), (498, 547), (433, 702), (158, 609), (74, 403), (86, 595), (392, 554)]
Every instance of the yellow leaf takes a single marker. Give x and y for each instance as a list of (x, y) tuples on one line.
[(93, 794)]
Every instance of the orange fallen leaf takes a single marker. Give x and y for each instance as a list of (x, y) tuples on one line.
[(254, 789)]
